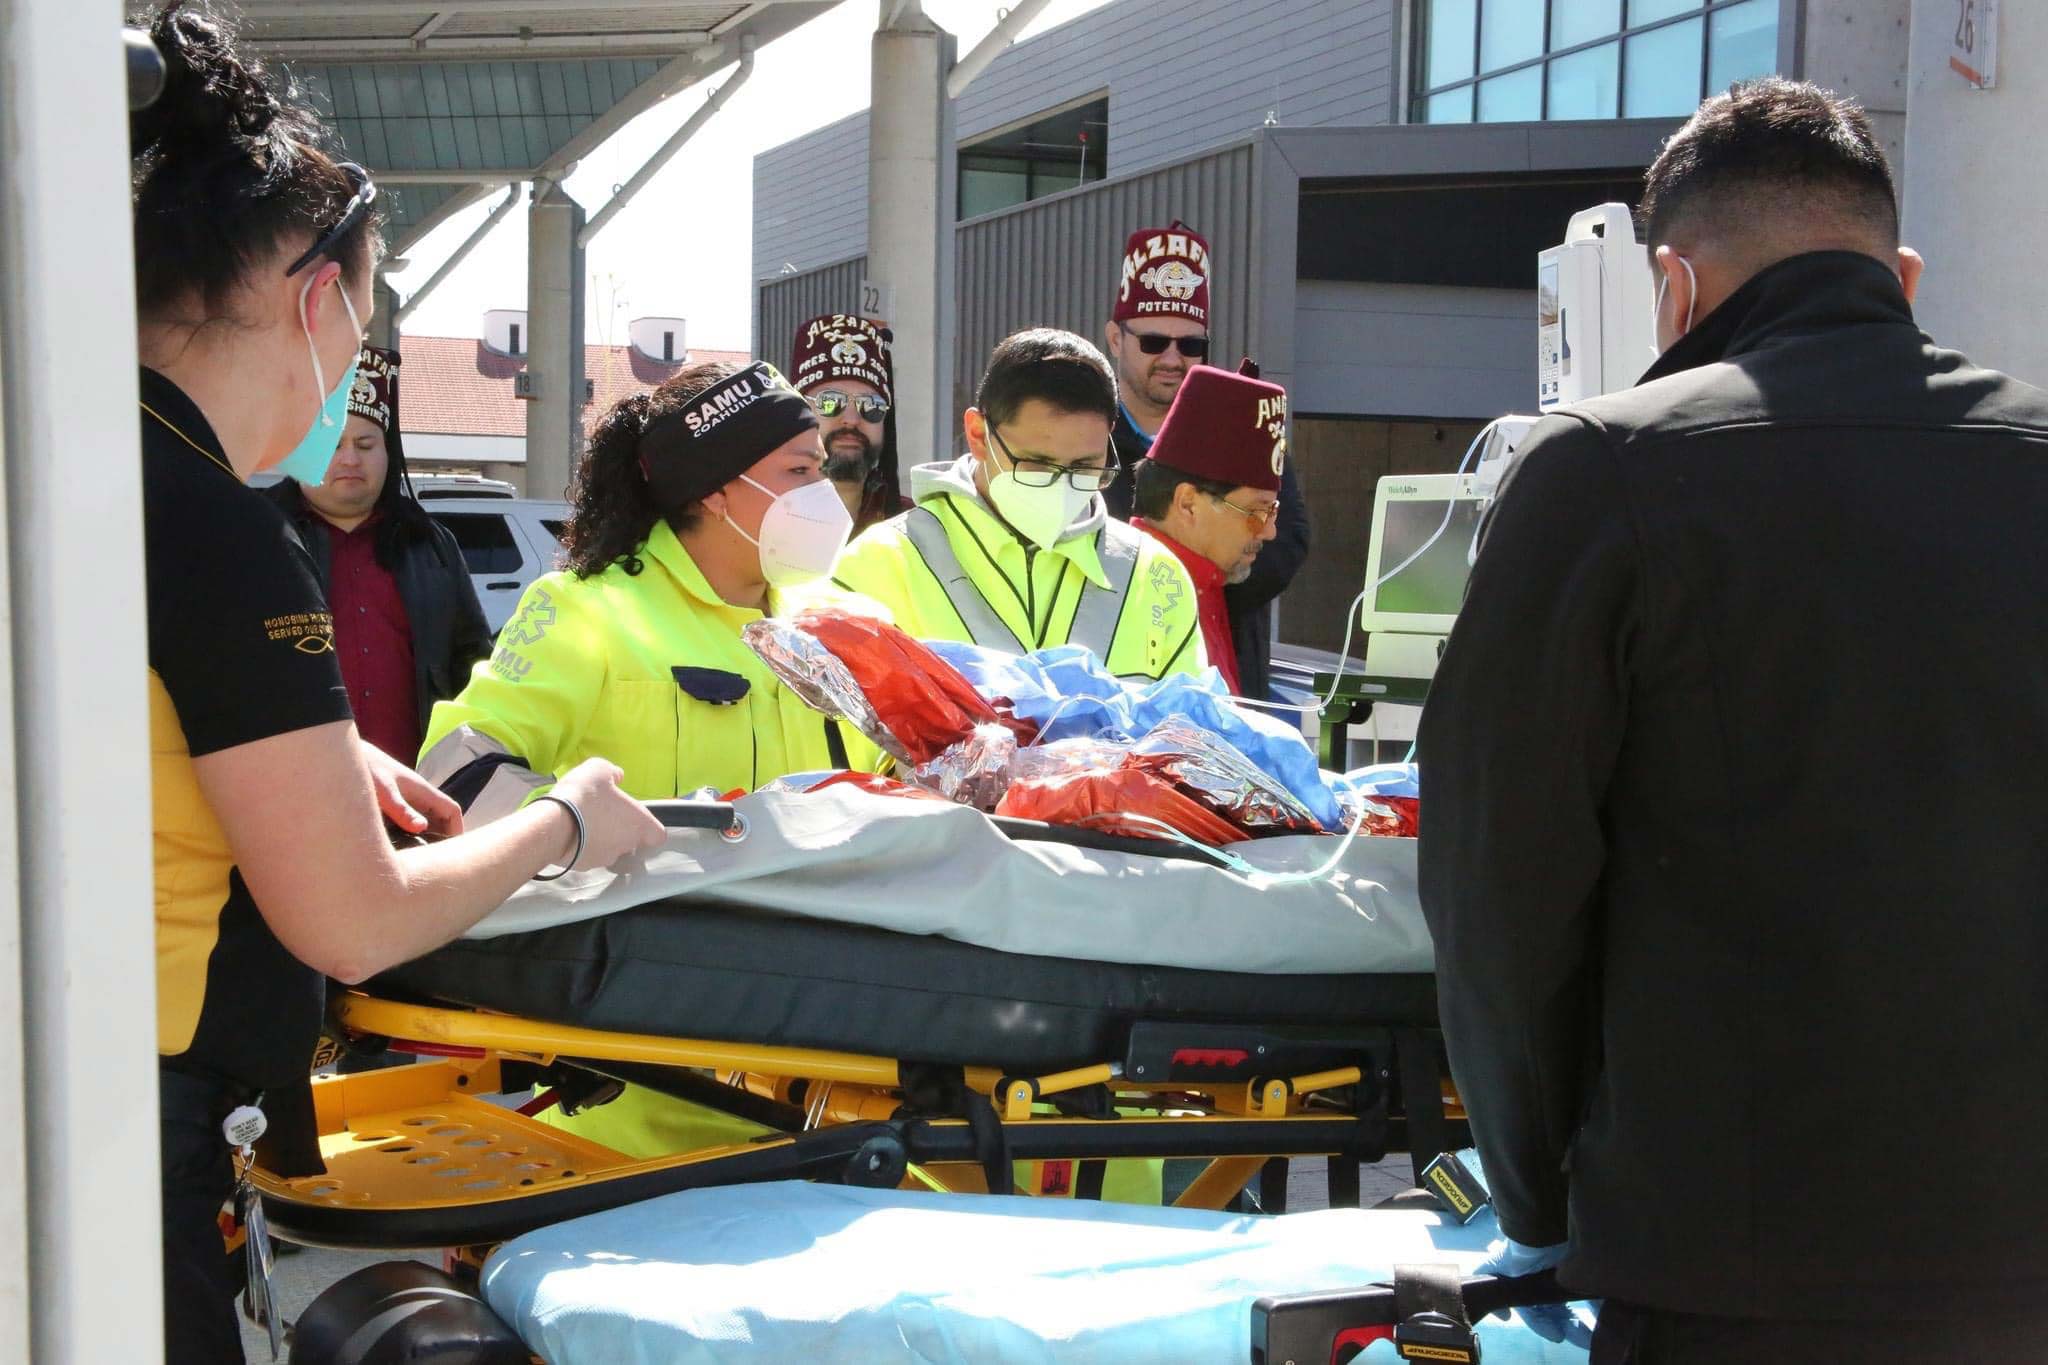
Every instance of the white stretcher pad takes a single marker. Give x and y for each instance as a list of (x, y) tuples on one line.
[(804, 1272), (921, 867)]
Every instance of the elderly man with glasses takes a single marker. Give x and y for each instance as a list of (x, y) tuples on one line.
[(1157, 334), (1010, 546), (1209, 490)]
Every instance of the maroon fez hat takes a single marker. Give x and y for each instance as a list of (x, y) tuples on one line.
[(840, 346), (1226, 427), (375, 394), (1165, 275)]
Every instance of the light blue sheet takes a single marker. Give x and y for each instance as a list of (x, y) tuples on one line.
[(804, 1272)]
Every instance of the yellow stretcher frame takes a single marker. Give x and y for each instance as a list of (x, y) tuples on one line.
[(416, 1156)]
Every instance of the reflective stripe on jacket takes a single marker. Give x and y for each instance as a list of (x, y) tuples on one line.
[(950, 569)]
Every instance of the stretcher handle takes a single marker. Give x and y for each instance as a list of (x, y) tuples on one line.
[(690, 814), (1305, 1327)]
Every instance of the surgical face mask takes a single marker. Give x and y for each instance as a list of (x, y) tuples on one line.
[(315, 451), (802, 533), (1657, 308)]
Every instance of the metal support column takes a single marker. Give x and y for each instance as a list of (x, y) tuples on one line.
[(78, 1139), (910, 222), (554, 347), (383, 330)]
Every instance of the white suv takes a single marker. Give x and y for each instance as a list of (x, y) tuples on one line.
[(507, 543)]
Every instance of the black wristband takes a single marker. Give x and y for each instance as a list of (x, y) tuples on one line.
[(576, 815)]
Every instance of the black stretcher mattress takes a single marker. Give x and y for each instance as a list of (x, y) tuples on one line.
[(686, 970)]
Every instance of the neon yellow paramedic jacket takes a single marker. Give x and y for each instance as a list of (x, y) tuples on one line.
[(949, 569), (647, 670)]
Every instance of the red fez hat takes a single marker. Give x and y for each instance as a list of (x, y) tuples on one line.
[(1165, 275), (840, 346), (1226, 427)]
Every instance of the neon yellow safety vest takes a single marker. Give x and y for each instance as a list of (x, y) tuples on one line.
[(950, 569), (647, 670)]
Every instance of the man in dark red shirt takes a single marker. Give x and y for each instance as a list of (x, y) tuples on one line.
[(1209, 489), (407, 625)]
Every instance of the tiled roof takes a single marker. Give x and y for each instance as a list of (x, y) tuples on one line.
[(457, 386)]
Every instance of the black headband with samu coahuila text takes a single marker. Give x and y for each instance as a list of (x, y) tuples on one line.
[(719, 434)]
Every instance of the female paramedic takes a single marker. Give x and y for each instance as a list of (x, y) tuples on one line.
[(696, 509), (253, 258)]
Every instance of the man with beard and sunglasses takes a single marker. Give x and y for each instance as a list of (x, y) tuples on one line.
[(841, 364), (1158, 330)]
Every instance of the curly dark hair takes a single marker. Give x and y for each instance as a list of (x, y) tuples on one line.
[(611, 510), (229, 166)]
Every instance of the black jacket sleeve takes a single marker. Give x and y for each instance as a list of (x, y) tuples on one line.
[(1518, 741), (471, 639), (1282, 557)]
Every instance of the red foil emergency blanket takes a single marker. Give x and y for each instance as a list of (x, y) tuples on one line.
[(1126, 801), (911, 703)]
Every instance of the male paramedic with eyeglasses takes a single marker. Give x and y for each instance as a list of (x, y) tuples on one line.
[(841, 364), (1158, 331), (1010, 547), (1209, 489)]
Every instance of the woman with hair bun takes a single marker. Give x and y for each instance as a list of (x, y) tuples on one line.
[(697, 509), (254, 250)]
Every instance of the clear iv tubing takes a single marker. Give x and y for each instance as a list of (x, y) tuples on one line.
[(1258, 876)]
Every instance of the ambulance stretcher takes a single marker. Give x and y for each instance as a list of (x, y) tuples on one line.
[(901, 994)]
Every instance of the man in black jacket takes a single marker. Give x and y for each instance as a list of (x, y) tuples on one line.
[(1158, 327), (1734, 797), (407, 624)]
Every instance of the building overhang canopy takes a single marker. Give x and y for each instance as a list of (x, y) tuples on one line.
[(445, 101)]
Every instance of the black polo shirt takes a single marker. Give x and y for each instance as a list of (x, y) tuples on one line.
[(241, 647)]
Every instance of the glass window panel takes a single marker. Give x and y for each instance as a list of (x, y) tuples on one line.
[(991, 186), (1510, 31), (1452, 27), (1744, 43), (1583, 84), (1663, 68), (1452, 106), (1581, 21), (1515, 98), (1650, 11)]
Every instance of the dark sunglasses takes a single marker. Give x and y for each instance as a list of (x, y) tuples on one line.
[(868, 407), (358, 205), (1194, 348)]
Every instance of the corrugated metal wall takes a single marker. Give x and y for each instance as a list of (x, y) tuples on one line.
[(1054, 262), (1182, 78), (787, 302)]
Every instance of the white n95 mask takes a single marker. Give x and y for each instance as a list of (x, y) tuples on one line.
[(802, 533), (1041, 515)]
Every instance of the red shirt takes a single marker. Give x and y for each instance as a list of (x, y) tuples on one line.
[(1213, 614), (373, 637)]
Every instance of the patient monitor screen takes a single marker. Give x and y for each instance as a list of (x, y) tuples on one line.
[(1433, 585)]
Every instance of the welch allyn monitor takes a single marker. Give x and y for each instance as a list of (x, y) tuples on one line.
[(1423, 591)]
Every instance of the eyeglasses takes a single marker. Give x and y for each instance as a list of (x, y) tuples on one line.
[(868, 407), (358, 205), (1255, 518), (1194, 348), (1031, 473)]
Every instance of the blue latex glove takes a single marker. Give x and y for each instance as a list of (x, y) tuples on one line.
[(1560, 1322)]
